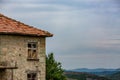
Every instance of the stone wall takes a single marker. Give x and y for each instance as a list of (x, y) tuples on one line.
[(14, 49)]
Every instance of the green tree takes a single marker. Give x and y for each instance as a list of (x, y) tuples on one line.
[(53, 69)]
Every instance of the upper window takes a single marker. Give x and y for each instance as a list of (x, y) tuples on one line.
[(32, 76), (32, 50)]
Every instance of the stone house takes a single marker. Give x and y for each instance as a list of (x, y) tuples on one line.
[(22, 50)]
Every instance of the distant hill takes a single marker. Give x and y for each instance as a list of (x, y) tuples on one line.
[(98, 71), (93, 70), (83, 76), (104, 73)]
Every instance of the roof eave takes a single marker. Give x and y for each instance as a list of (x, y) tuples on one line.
[(22, 34)]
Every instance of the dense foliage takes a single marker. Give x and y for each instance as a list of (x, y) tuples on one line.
[(53, 69), (115, 76)]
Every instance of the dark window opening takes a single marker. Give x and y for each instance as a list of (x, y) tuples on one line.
[(29, 45), (32, 76)]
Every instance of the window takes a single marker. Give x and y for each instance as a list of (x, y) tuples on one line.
[(32, 76), (32, 50)]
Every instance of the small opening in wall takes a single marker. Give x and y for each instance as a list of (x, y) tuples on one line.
[(32, 76)]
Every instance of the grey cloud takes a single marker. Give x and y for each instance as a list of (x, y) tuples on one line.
[(90, 60), (1, 3), (91, 49), (117, 1), (79, 27), (117, 4)]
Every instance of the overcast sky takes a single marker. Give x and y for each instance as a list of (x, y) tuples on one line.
[(86, 32)]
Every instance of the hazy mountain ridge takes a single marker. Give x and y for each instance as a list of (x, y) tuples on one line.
[(93, 70), (98, 71), (98, 74), (83, 76)]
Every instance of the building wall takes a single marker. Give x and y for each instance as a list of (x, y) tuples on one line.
[(14, 49)]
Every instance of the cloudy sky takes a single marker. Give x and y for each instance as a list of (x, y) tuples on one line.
[(86, 32)]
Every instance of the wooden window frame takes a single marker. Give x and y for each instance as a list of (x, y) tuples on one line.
[(32, 51)]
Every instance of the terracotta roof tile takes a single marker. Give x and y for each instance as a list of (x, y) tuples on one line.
[(11, 26)]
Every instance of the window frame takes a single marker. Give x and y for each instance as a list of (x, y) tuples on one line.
[(32, 51)]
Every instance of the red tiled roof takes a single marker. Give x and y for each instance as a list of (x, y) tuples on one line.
[(11, 26)]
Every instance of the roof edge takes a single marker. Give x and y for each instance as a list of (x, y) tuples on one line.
[(22, 34), (47, 34)]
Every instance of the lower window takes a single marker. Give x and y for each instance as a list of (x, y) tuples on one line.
[(32, 76)]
